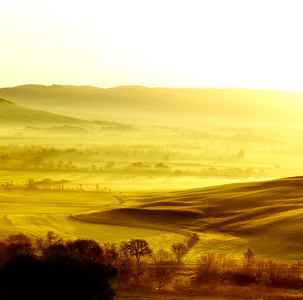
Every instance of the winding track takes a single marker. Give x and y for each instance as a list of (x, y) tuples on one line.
[(265, 216)]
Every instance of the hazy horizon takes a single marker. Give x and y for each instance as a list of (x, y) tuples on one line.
[(188, 44), (150, 87)]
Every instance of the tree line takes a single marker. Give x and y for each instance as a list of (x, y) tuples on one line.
[(135, 169), (144, 160), (48, 184), (53, 268)]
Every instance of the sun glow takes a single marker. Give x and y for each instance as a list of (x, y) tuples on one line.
[(153, 43)]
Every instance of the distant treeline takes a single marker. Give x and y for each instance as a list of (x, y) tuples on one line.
[(48, 184), (51, 268), (31, 184), (93, 160), (11, 154)]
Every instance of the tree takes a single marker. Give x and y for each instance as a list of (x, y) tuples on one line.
[(125, 265), (18, 245), (138, 248), (48, 246), (207, 268), (31, 183), (27, 277), (179, 251), (18, 238), (249, 260), (84, 249), (55, 251), (164, 270), (4, 161), (110, 253), (163, 256), (18, 279), (53, 239), (193, 239)]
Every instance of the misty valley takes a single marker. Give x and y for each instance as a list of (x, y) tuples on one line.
[(159, 157), (213, 174)]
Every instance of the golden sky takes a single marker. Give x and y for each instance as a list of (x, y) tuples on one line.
[(173, 43)]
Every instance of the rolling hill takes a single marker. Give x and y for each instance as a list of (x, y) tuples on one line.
[(265, 216), (12, 114), (163, 105)]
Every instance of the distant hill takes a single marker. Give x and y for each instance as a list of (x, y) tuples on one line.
[(14, 114), (163, 105)]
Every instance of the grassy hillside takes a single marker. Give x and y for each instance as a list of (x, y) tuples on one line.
[(14, 114), (265, 216), (164, 105)]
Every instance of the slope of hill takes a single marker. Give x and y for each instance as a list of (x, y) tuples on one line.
[(14, 114), (265, 216), (163, 104)]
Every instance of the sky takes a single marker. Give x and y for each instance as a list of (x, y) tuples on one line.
[(172, 43)]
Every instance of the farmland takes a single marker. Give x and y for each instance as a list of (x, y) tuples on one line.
[(264, 216), (233, 186)]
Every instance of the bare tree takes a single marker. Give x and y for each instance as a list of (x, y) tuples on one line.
[(110, 253), (179, 251), (125, 264), (207, 267), (164, 268), (138, 248)]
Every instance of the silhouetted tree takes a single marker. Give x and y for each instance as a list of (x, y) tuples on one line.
[(26, 277), (164, 256), (55, 251), (164, 268), (193, 239), (84, 249), (179, 251), (19, 238), (18, 245), (53, 239), (125, 265), (249, 260), (138, 248), (207, 268), (110, 253), (47, 246)]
